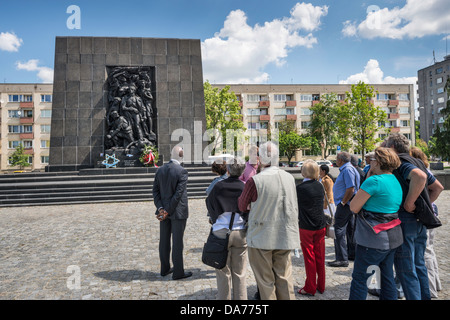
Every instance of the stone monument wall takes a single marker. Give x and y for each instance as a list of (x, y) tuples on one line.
[(80, 93)]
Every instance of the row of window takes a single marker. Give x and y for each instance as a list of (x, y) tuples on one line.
[(45, 128), (308, 112), (316, 97), (306, 124), (27, 144), (44, 160), (28, 113), (28, 98)]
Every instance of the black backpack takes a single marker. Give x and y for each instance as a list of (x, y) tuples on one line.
[(424, 210)]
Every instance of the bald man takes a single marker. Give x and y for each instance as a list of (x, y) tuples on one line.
[(170, 198)]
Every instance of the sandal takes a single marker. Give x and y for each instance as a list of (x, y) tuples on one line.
[(304, 293)]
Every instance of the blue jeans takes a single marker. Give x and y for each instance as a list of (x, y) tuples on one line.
[(365, 258), (410, 261)]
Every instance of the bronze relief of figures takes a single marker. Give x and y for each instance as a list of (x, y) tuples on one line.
[(129, 117)]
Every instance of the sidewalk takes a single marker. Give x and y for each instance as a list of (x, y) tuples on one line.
[(113, 250)]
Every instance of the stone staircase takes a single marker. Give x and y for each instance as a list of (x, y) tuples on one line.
[(91, 186)]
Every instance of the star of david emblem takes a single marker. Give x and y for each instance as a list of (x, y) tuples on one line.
[(109, 164)]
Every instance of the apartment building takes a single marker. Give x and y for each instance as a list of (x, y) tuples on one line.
[(264, 105), (25, 118), (432, 96)]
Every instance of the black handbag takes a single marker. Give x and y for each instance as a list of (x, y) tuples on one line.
[(215, 250)]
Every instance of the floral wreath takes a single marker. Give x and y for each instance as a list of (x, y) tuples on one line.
[(149, 156)]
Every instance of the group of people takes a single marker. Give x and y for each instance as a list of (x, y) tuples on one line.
[(371, 213)]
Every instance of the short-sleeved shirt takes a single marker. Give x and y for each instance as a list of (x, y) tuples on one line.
[(347, 178), (385, 191)]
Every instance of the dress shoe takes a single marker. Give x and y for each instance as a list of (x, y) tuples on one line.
[(163, 274), (185, 275), (338, 264)]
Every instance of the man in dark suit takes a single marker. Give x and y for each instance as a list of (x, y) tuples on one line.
[(170, 198)]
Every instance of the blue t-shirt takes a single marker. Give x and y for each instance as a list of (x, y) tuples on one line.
[(385, 193), (347, 178)]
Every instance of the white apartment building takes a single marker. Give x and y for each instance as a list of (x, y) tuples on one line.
[(263, 105), (25, 118)]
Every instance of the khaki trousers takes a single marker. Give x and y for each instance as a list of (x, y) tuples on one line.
[(233, 275), (273, 273)]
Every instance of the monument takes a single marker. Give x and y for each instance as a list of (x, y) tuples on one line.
[(115, 97)]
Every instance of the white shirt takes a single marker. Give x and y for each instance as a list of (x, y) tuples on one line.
[(223, 222)]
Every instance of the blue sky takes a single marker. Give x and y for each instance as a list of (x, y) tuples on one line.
[(246, 41)]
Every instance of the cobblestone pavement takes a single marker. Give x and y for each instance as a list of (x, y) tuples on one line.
[(113, 248)]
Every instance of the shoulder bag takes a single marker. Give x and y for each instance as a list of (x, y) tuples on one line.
[(215, 250)]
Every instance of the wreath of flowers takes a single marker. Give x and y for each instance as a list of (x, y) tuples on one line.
[(149, 157)]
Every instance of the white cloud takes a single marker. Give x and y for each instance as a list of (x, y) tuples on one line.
[(238, 53), (10, 42), (416, 19), (43, 73)]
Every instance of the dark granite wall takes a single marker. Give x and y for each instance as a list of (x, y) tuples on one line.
[(80, 93)]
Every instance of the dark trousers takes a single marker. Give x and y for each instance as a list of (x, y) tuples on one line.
[(172, 229), (344, 224)]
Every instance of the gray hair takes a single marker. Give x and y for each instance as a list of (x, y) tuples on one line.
[(344, 156), (398, 142), (235, 167), (269, 154), (354, 160), (370, 155)]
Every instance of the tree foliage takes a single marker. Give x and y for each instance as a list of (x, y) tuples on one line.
[(19, 158), (222, 112), (364, 117)]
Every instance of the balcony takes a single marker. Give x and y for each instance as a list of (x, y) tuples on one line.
[(291, 103), (26, 104), (393, 102), (314, 102), (29, 135), (25, 120), (264, 117), (393, 116), (395, 129), (29, 151), (290, 117), (264, 103)]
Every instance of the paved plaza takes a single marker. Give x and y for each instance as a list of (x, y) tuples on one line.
[(110, 251)]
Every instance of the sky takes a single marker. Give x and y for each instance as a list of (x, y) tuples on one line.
[(245, 41)]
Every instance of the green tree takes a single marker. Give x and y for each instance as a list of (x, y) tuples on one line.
[(364, 117), (323, 125), (343, 121), (19, 158), (222, 113), (291, 142), (440, 142)]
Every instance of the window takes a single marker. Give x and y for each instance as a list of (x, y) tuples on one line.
[(280, 112), (45, 159), (305, 111), (439, 80), (263, 125), (404, 123), (440, 90), (15, 129), (279, 97), (305, 124), (263, 111), (45, 128), (27, 114), (341, 97), (20, 98), (385, 96), (13, 144), (290, 110), (253, 125), (253, 112), (45, 143), (28, 144), (407, 135), (439, 70), (316, 97), (404, 110), (441, 100), (306, 97), (27, 129), (46, 98), (46, 113), (403, 96), (29, 160), (14, 113)]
